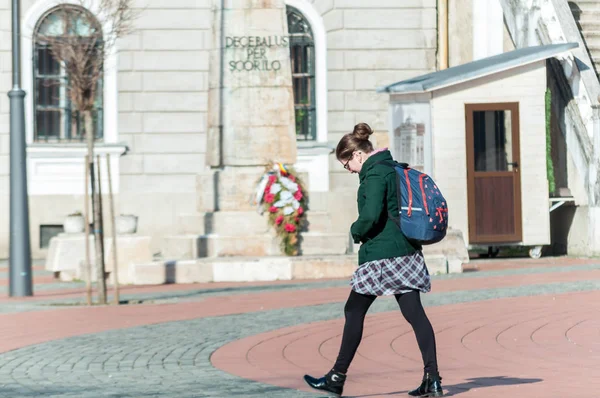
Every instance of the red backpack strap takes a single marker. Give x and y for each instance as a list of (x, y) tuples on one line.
[(409, 192), (423, 193)]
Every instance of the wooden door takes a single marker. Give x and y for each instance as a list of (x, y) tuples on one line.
[(493, 173)]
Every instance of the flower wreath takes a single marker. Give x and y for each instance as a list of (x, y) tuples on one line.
[(281, 193)]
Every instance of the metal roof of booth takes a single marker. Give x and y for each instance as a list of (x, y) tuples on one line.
[(476, 69)]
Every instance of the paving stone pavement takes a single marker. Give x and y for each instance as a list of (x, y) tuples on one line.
[(166, 360), (174, 359), (193, 294)]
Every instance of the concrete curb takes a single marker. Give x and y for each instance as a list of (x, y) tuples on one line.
[(254, 269)]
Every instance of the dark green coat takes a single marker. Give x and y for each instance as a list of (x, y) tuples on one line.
[(380, 236)]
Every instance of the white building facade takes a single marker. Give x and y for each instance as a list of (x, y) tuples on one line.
[(153, 111), (152, 115)]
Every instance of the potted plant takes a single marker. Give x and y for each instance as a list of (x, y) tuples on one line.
[(74, 223), (126, 224)]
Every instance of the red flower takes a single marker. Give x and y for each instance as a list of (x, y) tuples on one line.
[(298, 195), (272, 179), (279, 219), (269, 198), (291, 177), (300, 211), (290, 227), (297, 220), (272, 209)]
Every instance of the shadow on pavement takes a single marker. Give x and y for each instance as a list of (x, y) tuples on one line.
[(472, 383)]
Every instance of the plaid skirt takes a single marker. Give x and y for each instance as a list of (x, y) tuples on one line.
[(392, 276)]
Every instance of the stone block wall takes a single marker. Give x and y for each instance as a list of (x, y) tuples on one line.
[(371, 44), (163, 104)]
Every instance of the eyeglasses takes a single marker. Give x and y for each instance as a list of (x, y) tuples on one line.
[(346, 166)]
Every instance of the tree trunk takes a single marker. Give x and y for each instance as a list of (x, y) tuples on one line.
[(101, 222), (86, 217), (114, 233), (89, 132)]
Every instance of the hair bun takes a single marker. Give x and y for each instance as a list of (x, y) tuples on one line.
[(362, 131)]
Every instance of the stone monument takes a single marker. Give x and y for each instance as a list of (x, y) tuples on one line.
[(250, 123), (251, 104)]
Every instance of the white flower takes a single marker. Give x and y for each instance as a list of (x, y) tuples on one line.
[(289, 184), (295, 204), (287, 210), (279, 203), (284, 181), (275, 188), (286, 196)]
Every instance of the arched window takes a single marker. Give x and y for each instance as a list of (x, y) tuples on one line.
[(302, 55), (55, 120)]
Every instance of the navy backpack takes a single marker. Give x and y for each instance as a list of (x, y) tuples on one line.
[(423, 216)]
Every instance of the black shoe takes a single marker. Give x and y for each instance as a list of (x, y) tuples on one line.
[(430, 387), (332, 382)]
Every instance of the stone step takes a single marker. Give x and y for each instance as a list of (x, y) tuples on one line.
[(192, 246), (592, 39), (343, 182), (595, 53), (318, 201), (583, 5), (317, 243), (250, 269), (452, 248), (589, 25), (596, 60), (180, 247), (587, 14), (244, 269), (243, 223), (317, 221), (223, 222), (191, 223)]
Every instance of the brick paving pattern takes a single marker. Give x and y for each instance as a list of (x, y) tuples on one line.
[(510, 328)]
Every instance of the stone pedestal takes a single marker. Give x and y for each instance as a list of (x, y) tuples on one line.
[(584, 232), (451, 253), (66, 256), (229, 189)]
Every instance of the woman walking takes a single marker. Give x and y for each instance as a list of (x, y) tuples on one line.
[(388, 264)]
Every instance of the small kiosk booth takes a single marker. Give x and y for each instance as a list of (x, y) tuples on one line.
[(479, 130)]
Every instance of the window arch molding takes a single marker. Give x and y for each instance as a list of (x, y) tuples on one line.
[(318, 29), (36, 12)]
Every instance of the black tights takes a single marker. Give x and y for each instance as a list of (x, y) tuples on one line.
[(410, 304)]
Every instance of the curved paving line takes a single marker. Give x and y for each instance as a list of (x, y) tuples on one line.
[(173, 359), (199, 294)]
